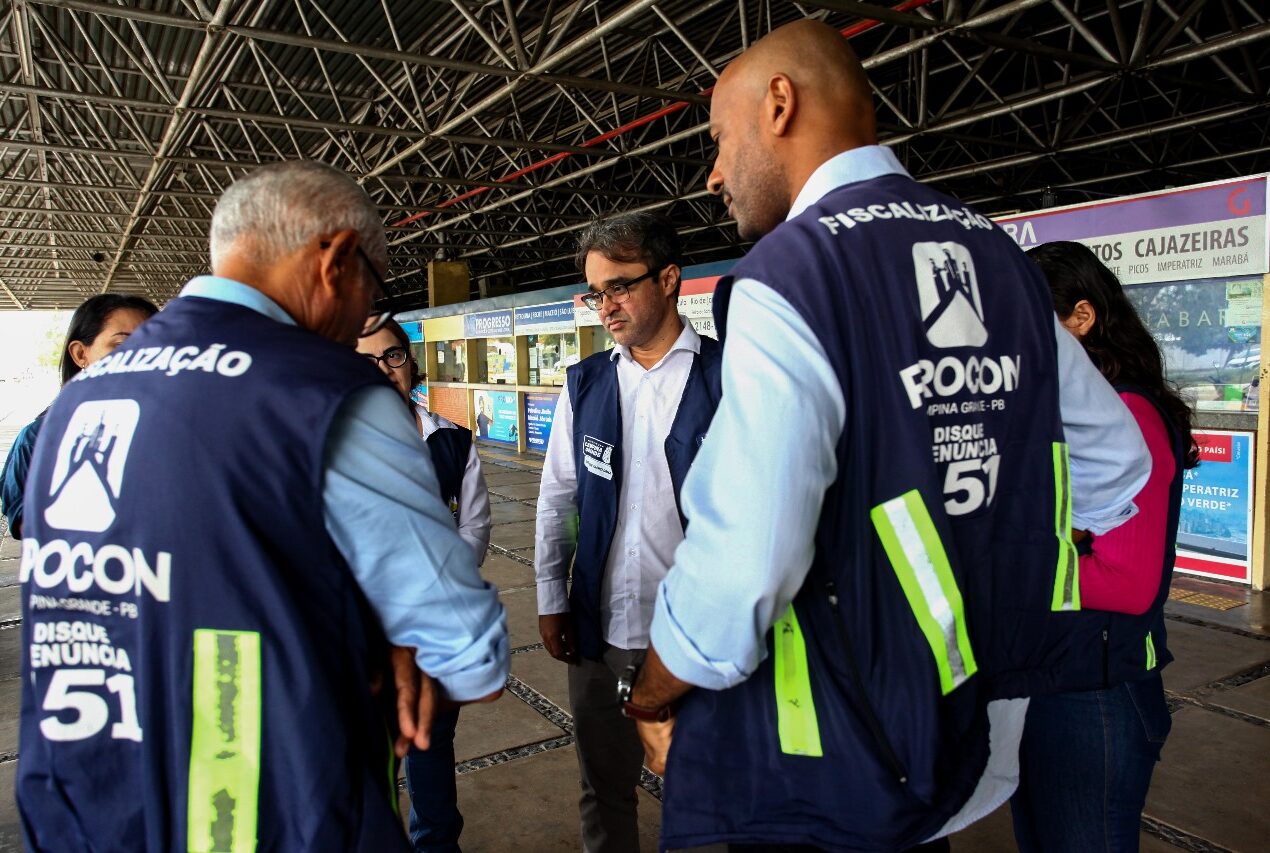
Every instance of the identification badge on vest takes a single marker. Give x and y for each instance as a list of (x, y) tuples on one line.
[(597, 456)]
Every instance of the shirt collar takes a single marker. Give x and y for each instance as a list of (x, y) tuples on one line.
[(849, 167), (236, 293), (688, 340)]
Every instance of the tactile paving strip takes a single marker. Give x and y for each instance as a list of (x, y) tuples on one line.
[(1203, 599)]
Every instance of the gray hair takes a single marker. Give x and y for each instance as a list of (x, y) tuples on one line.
[(281, 206)]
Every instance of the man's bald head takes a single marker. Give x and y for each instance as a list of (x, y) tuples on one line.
[(796, 98)]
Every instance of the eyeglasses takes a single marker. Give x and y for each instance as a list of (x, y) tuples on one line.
[(378, 315), (617, 293), (393, 356)]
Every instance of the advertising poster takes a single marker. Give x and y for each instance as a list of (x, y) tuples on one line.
[(496, 416), (419, 395), (413, 330), (1215, 525), (540, 410), (1204, 231)]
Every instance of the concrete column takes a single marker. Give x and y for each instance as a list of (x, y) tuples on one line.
[(448, 282)]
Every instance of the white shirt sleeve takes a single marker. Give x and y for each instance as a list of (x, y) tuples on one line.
[(1110, 462), (732, 576), (474, 513), (556, 531)]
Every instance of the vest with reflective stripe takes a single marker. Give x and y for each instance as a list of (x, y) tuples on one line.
[(938, 547), (597, 442), (199, 655)]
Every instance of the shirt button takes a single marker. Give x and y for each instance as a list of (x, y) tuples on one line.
[(639, 463), (634, 507), (631, 552), (632, 597)]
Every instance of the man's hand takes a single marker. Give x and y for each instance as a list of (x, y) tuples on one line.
[(419, 700), (656, 739), (558, 636)]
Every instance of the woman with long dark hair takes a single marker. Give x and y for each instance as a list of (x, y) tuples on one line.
[(1088, 753), (99, 325)]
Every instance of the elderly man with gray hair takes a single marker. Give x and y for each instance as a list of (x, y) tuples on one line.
[(229, 522)]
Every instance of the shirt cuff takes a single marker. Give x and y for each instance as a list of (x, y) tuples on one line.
[(553, 597), (1103, 524), (682, 657), (481, 679)]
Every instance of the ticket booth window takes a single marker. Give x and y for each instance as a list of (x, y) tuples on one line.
[(550, 356), (451, 361), (495, 361), (600, 339)]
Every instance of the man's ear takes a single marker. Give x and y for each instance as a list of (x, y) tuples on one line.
[(338, 261), (78, 351), (779, 104), (670, 276)]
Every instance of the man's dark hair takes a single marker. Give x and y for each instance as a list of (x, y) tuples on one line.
[(89, 319), (630, 238)]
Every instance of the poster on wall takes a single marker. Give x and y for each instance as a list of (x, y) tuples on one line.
[(540, 411), (496, 416), (1215, 525), (413, 330), (1202, 231), (419, 394)]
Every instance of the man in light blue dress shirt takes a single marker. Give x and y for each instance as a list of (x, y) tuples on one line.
[(735, 573)]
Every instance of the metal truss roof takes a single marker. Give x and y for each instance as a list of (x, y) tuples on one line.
[(491, 130)]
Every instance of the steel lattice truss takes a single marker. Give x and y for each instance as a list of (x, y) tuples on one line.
[(491, 130)]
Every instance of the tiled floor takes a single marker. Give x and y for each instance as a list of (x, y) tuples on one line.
[(518, 774)]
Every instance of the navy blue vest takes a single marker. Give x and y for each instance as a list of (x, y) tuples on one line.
[(937, 545), (450, 449), (597, 443), (1103, 649), (198, 655)]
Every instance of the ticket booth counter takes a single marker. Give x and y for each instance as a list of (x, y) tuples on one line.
[(1193, 261)]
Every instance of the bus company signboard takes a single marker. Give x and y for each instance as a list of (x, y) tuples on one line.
[(1206, 231)]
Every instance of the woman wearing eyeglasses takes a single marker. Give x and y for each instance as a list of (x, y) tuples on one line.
[(435, 821)]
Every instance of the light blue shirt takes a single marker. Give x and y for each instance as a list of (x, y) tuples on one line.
[(384, 513), (735, 572)]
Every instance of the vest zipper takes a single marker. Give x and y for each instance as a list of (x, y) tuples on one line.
[(866, 707)]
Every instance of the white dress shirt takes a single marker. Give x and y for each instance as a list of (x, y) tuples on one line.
[(648, 527), (474, 515)]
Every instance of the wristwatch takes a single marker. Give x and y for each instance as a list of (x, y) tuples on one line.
[(625, 684)]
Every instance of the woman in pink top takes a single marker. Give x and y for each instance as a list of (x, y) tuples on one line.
[(1088, 753)]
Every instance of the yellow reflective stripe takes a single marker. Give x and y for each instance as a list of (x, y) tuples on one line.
[(392, 772), (921, 564), (795, 709), (1150, 652), (224, 742), (1067, 574)]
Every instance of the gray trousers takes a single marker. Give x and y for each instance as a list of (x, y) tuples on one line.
[(609, 753)]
